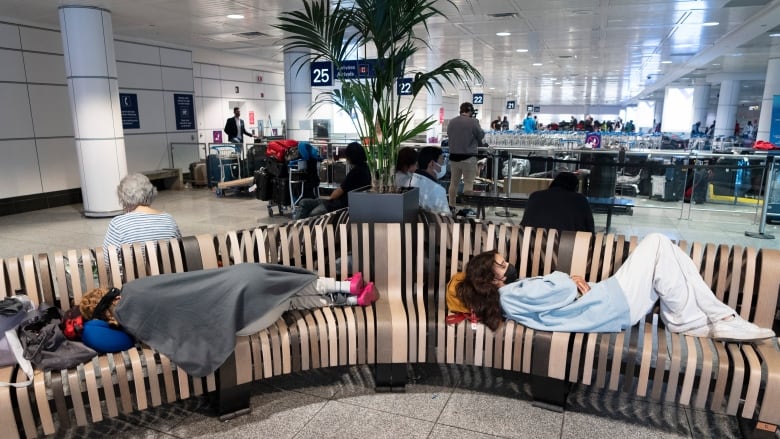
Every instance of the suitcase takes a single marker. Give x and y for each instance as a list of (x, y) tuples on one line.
[(275, 167), (198, 173), (281, 191), (255, 159), (264, 183)]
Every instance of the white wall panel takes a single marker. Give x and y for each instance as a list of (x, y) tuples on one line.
[(140, 53), (150, 111), (59, 164), (41, 40), (177, 79), (236, 74), (272, 78), (197, 83), (175, 58), (229, 90), (11, 65), (51, 110), (49, 69), (15, 118), (211, 88), (196, 69), (215, 113), (273, 93), (9, 36), (146, 152), (19, 173), (209, 71), (139, 76)]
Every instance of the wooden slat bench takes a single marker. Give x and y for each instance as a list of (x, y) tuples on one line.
[(411, 264)]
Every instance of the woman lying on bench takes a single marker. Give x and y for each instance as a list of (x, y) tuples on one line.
[(194, 317), (656, 269)]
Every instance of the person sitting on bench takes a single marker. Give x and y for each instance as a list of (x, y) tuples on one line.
[(194, 317), (559, 207), (656, 269)]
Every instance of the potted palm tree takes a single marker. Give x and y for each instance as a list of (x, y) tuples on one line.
[(392, 32)]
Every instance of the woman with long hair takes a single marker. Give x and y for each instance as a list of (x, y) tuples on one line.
[(657, 269)]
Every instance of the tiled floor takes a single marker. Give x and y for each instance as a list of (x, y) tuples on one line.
[(441, 401)]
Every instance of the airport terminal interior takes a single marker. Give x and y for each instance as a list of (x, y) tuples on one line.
[(661, 107)]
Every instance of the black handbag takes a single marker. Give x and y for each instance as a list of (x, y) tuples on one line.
[(45, 345)]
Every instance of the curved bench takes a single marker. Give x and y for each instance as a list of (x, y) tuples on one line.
[(410, 264)]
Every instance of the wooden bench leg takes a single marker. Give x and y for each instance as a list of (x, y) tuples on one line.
[(230, 399), (549, 393), (757, 430), (390, 377)]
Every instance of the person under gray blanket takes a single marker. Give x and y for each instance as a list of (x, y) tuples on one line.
[(194, 317)]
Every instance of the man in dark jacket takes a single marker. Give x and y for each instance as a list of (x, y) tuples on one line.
[(235, 129), (559, 207)]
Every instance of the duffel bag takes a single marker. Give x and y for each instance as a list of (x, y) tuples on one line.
[(279, 149)]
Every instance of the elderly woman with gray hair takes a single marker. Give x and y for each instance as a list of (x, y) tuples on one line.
[(140, 222)]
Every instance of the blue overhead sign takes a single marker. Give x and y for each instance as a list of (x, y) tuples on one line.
[(405, 86), (478, 99), (510, 105), (321, 74)]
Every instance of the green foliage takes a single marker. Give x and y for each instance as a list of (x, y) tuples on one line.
[(389, 29)]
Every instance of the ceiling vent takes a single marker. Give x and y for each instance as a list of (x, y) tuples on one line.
[(250, 35), (743, 3), (503, 15)]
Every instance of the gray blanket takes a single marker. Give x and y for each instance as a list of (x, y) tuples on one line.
[(193, 317)]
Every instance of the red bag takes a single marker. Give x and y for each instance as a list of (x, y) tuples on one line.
[(72, 324), (279, 149), (764, 145)]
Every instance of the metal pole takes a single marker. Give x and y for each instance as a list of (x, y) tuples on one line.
[(507, 189), (770, 164)]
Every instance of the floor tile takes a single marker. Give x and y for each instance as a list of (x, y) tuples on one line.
[(446, 432), (502, 416), (344, 421)]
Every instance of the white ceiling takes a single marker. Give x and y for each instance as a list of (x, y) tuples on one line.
[(591, 52)]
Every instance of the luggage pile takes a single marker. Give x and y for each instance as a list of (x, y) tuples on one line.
[(273, 180)]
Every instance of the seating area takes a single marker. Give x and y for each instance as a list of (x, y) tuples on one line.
[(410, 264)]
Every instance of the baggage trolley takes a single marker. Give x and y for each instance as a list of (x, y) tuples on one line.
[(223, 165)]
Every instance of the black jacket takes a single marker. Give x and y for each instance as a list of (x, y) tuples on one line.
[(557, 208), (232, 131)]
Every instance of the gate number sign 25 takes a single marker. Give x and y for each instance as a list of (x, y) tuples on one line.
[(321, 74)]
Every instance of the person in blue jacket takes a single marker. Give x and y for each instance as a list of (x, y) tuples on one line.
[(656, 269)]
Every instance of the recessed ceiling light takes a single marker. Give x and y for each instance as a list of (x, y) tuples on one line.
[(775, 35), (666, 62), (492, 88), (537, 64), (235, 16), (522, 50), (715, 64), (503, 34), (710, 23)]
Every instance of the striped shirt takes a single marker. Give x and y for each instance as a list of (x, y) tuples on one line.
[(139, 227)]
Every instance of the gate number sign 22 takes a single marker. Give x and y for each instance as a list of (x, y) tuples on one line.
[(478, 99), (321, 74), (405, 86)]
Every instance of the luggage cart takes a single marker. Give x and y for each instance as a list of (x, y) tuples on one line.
[(223, 164)]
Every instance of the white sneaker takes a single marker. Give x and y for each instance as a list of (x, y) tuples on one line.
[(738, 329), (702, 331)]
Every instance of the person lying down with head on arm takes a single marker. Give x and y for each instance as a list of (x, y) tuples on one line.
[(657, 269), (194, 317)]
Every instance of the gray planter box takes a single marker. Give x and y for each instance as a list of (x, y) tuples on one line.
[(373, 207)]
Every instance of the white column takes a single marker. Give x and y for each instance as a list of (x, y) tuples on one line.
[(771, 88), (658, 111), (90, 69), (297, 96), (701, 101), (433, 110), (726, 116)]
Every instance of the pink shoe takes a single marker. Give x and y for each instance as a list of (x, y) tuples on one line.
[(356, 283), (367, 296)]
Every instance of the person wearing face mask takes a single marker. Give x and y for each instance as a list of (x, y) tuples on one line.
[(656, 270), (430, 168)]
